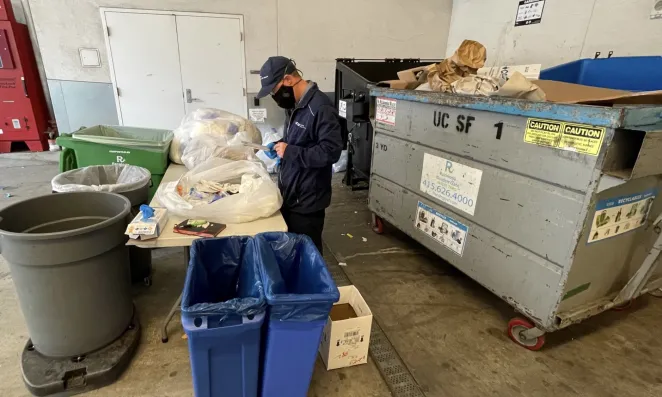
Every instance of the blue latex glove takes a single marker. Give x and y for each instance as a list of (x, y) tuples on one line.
[(147, 211), (271, 153)]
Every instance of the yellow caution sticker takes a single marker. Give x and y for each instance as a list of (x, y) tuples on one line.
[(580, 138)]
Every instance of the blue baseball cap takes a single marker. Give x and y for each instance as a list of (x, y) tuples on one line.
[(272, 72)]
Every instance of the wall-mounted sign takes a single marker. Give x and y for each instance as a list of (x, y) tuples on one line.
[(657, 9), (529, 12)]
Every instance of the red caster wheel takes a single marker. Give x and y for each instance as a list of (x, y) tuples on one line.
[(656, 293), (516, 329), (377, 224), (624, 306)]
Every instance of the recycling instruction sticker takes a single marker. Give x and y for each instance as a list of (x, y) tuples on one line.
[(580, 138), (618, 215)]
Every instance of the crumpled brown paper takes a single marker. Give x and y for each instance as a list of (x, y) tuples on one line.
[(520, 87), (466, 60), (476, 85)]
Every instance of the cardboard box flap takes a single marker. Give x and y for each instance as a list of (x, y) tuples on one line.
[(398, 84), (352, 296), (561, 92), (409, 75)]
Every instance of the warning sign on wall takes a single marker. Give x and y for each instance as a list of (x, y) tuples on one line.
[(529, 12), (580, 138)]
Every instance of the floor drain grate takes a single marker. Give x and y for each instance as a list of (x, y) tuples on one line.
[(398, 379)]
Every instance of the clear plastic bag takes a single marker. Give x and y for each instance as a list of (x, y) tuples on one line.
[(116, 178), (269, 135), (341, 164), (206, 146), (258, 196), (214, 122)]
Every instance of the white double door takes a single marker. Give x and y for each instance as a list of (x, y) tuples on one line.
[(165, 65)]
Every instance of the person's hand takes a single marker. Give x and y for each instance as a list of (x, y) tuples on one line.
[(280, 149), (271, 153)]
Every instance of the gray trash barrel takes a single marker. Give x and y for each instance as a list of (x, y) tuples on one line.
[(70, 266), (130, 181)]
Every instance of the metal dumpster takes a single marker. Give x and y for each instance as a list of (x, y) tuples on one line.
[(352, 99), (551, 207)]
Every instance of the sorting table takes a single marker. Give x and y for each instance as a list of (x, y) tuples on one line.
[(168, 238)]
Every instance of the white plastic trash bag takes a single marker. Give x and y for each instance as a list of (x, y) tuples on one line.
[(205, 146), (212, 122), (116, 178), (249, 193), (341, 164)]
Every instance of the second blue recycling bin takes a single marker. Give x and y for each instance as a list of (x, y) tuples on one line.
[(222, 313), (300, 292)]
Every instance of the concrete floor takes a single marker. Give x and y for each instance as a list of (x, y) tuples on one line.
[(449, 331)]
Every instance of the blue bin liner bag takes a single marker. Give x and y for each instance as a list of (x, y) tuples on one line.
[(223, 279), (297, 283)]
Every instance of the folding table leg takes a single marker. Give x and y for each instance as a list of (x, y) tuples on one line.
[(175, 307)]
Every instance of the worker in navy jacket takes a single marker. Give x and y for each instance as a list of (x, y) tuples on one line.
[(311, 143)]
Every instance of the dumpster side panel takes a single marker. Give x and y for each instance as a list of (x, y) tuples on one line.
[(537, 216), (495, 139), (649, 161), (525, 280), (611, 249)]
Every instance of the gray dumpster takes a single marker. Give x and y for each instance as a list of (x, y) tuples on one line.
[(549, 206)]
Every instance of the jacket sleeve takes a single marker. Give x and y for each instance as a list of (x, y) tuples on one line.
[(329, 143)]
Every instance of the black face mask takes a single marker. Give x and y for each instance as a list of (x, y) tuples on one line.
[(284, 97)]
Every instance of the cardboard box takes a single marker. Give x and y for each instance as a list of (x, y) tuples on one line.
[(409, 75), (531, 72), (345, 342), (398, 84), (151, 228), (561, 92)]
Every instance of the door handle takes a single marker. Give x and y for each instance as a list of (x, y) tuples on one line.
[(189, 97)]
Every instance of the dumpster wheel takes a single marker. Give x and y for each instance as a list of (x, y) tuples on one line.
[(377, 224), (516, 328)]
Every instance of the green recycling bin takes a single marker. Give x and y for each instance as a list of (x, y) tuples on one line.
[(102, 145)]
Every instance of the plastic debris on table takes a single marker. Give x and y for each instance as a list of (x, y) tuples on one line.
[(210, 191), (349, 235)]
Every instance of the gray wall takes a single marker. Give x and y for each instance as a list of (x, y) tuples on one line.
[(570, 30), (313, 32)]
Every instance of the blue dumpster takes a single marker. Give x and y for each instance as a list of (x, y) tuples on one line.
[(300, 293), (223, 309), (622, 73)]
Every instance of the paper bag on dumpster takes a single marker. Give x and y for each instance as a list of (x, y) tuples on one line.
[(518, 86), (468, 58), (476, 85)]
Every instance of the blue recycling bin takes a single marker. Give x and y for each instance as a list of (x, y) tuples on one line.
[(300, 292), (223, 309), (622, 73)]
